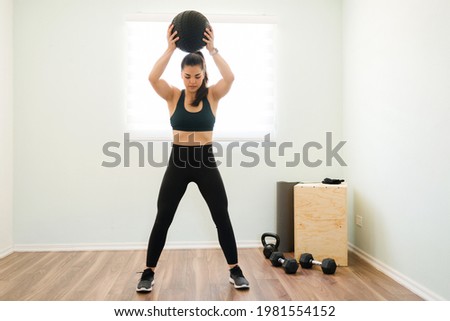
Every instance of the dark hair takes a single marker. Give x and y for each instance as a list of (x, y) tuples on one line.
[(197, 59)]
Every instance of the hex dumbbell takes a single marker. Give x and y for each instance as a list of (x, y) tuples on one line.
[(328, 265), (269, 248), (290, 266)]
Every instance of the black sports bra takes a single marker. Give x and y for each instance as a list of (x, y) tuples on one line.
[(184, 120)]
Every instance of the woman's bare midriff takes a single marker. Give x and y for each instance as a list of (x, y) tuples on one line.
[(192, 138)]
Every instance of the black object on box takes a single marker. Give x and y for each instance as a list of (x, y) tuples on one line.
[(332, 181)]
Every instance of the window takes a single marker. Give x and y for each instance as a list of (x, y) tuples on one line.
[(247, 112)]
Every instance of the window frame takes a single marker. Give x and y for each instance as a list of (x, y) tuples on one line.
[(240, 136)]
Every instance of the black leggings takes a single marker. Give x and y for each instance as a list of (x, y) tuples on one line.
[(192, 164)]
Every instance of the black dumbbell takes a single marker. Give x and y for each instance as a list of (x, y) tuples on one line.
[(328, 265), (269, 248), (290, 266)]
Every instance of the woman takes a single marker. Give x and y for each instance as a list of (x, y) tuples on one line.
[(192, 112)]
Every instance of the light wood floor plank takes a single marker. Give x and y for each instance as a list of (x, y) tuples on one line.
[(198, 275)]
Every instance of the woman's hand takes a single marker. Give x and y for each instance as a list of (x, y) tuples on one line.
[(209, 39), (172, 38)]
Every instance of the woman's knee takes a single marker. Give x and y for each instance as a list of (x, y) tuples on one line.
[(163, 220), (222, 221)]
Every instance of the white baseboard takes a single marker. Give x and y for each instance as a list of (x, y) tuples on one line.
[(78, 247), (209, 245), (400, 278), (124, 246), (6, 252)]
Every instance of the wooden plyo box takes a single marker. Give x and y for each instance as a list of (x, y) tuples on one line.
[(320, 221)]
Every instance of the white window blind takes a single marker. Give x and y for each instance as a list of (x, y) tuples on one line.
[(247, 112)]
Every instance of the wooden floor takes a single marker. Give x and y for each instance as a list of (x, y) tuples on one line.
[(184, 275)]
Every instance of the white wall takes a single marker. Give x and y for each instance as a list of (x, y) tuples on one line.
[(69, 78), (6, 127), (70, 89), (396, 116)]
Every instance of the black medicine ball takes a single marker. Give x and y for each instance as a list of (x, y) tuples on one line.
[(190, 26)]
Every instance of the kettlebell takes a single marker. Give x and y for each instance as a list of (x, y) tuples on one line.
[(269, 248)]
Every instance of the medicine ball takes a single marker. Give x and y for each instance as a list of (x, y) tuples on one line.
[(190, 26)]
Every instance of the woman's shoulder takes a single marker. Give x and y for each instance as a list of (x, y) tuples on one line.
[(176, 93), (210, 94), (213, 103), (173, 102)]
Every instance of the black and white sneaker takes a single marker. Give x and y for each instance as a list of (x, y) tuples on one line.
[(146, 282), (237, 278)]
